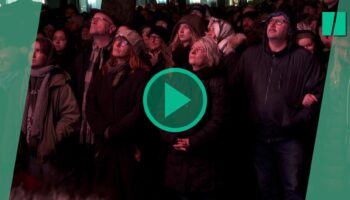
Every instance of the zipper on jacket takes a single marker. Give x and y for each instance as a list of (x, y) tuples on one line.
[(269, 80)]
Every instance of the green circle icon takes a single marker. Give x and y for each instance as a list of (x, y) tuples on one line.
[(175, 100)]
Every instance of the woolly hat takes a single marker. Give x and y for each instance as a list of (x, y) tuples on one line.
[(134, 39), (250, 14), (161, 32), (199, 8)]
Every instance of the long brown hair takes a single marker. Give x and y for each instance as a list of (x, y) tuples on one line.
[(176, 41), (47, 48), (138, 61), (135, 62)]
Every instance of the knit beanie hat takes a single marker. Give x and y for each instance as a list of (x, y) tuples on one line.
[(134, 39), (251, 15), (161, 32)]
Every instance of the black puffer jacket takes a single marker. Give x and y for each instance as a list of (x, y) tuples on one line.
[(197, 169)]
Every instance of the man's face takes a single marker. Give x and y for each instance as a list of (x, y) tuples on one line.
[(247, 24), (155, 42), (101, 25), (277, 28)]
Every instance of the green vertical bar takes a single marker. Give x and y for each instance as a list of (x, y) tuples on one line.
[(19, 23), (340, 24), (330, 171), (327, 23)]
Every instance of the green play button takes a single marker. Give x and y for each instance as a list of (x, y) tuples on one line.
[(175, 100), (170, 105)]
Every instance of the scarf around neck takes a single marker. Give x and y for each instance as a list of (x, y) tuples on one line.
[(40, 105)]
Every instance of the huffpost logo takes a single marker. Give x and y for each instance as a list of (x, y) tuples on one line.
[(339, 24)]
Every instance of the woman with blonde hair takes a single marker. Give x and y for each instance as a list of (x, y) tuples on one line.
[(114, 112), (193, 160)]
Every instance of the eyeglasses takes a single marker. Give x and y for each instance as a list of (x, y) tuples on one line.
[(97, 19), (121, 41), (195, 50), (278, 22)]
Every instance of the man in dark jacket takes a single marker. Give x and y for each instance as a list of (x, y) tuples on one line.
[(87, 64), (281, 86), (90, 61)]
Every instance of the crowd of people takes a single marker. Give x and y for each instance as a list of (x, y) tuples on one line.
[(85, 134)]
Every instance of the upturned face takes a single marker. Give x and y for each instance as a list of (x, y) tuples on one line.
[(277, 28), (39, 58)]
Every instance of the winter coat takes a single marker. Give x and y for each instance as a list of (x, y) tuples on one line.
[(274, 85), (81, 65), (180, 57), (196, 170), (62, 118), (118, 108), (65, 59)]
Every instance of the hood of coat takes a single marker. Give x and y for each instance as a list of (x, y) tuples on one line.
[(59, 77), (195, 23), (291, 32)]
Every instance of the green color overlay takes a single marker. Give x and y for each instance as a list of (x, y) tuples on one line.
[(330, 171), (19, 23), (328, 23)]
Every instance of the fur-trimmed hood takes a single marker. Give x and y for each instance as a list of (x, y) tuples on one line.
[(231, 43)]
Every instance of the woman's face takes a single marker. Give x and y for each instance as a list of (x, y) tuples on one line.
[(121, 48), (59, 40), (185, 33), (211, 32), (145, 35), (39, 58), (198, 57), (308, 44)]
